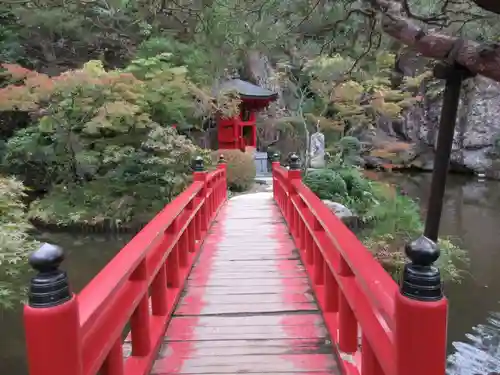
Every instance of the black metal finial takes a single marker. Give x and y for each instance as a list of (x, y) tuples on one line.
[(276, 157), (421, 280), (221, 159), (198, 165), (50, 287), (294, 162)]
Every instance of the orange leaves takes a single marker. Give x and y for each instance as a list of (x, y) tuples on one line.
[(15, 71), (32, 90)]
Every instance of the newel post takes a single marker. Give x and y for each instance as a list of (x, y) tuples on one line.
[(421, 310), (51, 318), (200, 174), (294, 173), (275, 164), (222, 164)]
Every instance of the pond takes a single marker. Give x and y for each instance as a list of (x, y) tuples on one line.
[(471, 214), (85, 256)]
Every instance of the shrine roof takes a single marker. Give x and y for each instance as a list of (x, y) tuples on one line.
[(247, 90)]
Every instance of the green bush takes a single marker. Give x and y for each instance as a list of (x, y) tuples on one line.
[(391, 219), (345, 185), (139, 184), (15, 243), (395, 221), (240, 169), (327, 184)]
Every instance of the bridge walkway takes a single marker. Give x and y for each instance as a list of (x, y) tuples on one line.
[(247, 306)]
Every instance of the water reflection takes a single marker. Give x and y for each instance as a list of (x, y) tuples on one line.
[(85, 257), (472, 215), (481, 354)]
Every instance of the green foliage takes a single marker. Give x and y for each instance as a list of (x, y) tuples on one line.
[(195, 56), (15, 243), (391, 220), (351, 97), (326, 184), (100, 143), (240, 169), (395, 221), (141, 182)]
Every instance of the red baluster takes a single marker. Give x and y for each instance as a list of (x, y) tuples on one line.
[(309, 247), (348, 326), (192, 236), (173, 269), (159, 297), (197, 220), (114, 364), (301, 234), (182, 250), (319, 274), (332, 292), (140, 321), (369, 362)]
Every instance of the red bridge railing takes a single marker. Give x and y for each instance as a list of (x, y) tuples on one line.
[(359, 300), (82, 335)]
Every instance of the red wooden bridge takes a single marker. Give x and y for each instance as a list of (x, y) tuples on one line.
[(263, 283)]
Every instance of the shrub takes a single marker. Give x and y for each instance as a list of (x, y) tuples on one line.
[(140, 182), (392, 219), (240, 169), (15, 243), (326, 184), (395, 221), (343, 185)]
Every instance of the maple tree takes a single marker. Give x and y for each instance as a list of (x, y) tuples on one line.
[(103, 138)]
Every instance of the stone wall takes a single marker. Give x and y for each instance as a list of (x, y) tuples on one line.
[(476, 134)]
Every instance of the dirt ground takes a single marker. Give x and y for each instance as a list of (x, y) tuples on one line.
[(256, 188)]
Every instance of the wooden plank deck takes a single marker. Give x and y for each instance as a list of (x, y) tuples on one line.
[(247, 307)]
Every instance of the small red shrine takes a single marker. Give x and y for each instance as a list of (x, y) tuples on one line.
[(240, 131)]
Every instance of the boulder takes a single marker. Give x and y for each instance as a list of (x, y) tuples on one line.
[(349, 218)]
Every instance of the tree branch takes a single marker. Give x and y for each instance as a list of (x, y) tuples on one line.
[(480, 58)]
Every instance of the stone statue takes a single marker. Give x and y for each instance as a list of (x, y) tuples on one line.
[(317, 150)]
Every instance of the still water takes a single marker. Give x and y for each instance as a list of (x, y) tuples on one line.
[(471, 214), (85, 256)]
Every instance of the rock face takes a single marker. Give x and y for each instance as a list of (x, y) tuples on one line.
[(411, 142)]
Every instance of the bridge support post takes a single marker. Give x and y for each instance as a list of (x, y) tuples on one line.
[(51, 318), (421, 310)]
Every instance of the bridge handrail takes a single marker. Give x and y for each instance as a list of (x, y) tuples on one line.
[(105, 284), (371, 276), (353, 289), (140, 286)]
